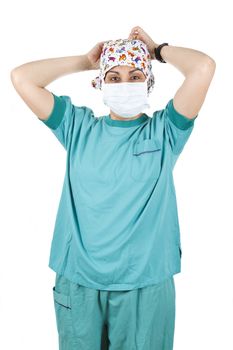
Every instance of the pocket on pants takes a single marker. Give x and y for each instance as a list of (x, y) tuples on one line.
[(180, 250), (62, 305), (61, 298)]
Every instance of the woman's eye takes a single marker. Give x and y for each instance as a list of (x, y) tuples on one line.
[(134, 77), (113, 78)]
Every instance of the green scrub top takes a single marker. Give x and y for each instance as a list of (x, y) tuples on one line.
[(117, 224)]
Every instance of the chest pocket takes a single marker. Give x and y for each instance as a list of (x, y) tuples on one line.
[(146, 160)]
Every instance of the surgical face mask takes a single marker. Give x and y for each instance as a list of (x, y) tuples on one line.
[(126, 99)]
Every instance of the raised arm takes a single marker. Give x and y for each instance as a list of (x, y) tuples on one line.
[(197, 67), (30, 79)]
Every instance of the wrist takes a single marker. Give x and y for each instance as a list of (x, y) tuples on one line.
[(87, 62), (163, 52), (159, 52)]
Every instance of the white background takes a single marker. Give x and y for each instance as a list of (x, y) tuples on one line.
[(33, 161)]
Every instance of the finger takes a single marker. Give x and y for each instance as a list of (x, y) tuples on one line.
[(135, 29), (133, 35)]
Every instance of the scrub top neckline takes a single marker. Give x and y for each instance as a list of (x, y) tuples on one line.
[(125, 123)]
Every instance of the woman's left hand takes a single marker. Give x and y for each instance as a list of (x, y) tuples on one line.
[(138, 33)]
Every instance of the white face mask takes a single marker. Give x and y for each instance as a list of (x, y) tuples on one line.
[(126, 99)]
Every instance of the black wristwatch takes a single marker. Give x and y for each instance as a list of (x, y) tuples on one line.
[(157, 53)]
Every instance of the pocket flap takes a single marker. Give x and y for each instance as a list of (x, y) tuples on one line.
[(61, 298), (146, 145)]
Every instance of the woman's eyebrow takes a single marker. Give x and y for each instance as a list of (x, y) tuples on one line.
[(112, 71), (131, 71)]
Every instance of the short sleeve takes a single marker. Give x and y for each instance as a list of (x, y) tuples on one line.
[(178, 127), (62, 118)]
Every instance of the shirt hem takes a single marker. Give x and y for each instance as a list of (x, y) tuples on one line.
[(112, 287)]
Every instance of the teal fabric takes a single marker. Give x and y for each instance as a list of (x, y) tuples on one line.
[(117, 224), (55, 118), (92, 319), (178, 119)]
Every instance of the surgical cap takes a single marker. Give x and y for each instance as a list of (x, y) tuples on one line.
[(128, 52)]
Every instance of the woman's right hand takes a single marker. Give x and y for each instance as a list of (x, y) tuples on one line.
[(93, 55)]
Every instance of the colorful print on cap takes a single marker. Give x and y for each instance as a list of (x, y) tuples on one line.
[(133, 53)]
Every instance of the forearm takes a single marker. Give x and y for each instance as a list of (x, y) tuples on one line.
[(43, 72), (186, 60)]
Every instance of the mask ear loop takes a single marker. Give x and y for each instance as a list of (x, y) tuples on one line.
[(102, 79), (147, 82)]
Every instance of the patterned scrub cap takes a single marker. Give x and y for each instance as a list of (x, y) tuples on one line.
[(120, 52)]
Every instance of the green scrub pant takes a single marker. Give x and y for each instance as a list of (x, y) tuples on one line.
[(92, 319)]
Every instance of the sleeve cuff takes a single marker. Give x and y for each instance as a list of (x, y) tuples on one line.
[(57, 114), (179, 119)]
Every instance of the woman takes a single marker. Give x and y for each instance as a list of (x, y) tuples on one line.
[(116, 243)]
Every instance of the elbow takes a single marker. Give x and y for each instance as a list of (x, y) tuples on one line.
[(209, 63), (207, 66), (15, 76)]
